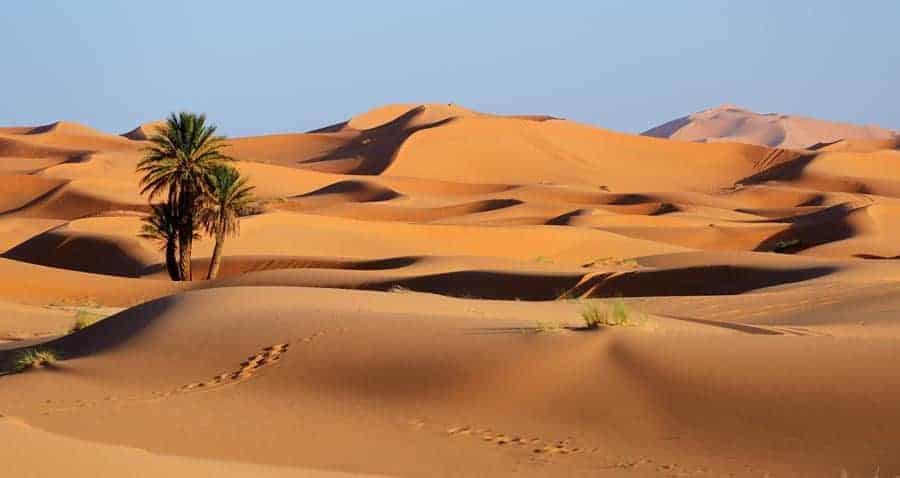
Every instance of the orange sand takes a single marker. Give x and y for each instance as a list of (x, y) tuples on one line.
[(407, 303)]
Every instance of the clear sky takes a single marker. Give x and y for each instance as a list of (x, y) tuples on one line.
[(275, 66)]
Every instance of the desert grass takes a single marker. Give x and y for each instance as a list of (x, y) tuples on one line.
[(89, 302), (84, 319), (549, 327), (33, 358), (614, 315)]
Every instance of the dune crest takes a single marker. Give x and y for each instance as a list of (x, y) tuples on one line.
[(144, 131)]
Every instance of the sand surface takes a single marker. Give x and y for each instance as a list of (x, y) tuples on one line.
[(407, 303), (733, 123)]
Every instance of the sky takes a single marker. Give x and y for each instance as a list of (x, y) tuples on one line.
[(258, 67)]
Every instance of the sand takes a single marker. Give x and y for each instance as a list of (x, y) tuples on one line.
[(407, 303), (733, 123)]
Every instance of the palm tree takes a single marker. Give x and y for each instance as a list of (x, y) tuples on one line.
[(226, 195), (162, 226), (176, 165)]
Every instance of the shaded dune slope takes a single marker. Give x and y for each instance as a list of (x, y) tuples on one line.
[(429, 384)]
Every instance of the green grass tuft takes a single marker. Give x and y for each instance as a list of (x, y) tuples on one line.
[(613, 316), (84, 319), (33, 358), (618, 314), (592, 316)]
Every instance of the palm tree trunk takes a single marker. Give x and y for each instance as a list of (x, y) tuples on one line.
[(185, 233), (216, 259), (185, 241), (171, 260)]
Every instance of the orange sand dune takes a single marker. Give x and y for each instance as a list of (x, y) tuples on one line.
[(446, 396), (144, 131), (63, 134), (732, 123), (561, 152), (406, 300), (27, 444)]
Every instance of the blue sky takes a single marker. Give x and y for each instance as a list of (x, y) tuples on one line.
[(276, 66)]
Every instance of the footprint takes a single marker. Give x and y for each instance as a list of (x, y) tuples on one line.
[(248, 368), (539, 446)]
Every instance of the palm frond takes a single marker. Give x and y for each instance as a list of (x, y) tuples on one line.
[(227, 194)]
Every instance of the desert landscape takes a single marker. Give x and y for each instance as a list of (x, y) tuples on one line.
[(426, 290)]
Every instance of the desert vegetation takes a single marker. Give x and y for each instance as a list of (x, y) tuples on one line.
[(615, 314), (186, 166), (84, 319), (33, 358), (225, 196)]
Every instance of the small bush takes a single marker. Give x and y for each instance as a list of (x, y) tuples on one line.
[(618, 314), (33, 358), (84, 319), (593, 317), (615, 315)]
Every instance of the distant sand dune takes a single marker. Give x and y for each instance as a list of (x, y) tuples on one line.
[(732, 123)]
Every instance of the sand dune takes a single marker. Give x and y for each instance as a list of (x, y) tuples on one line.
[(406, 302), (732, 123), (28, 444), (448, 387), (144, 131)]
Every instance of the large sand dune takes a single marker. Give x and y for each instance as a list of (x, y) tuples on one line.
[(732, 123), (407, 303)]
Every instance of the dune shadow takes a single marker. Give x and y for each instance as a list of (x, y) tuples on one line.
[(233, 266), (747, 329), (366, 191), (697, 280), (84, 253), (40, 199), (104, 335), (488, 285), (786, 171), (376, 148), (810, 230), (668, 129)]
